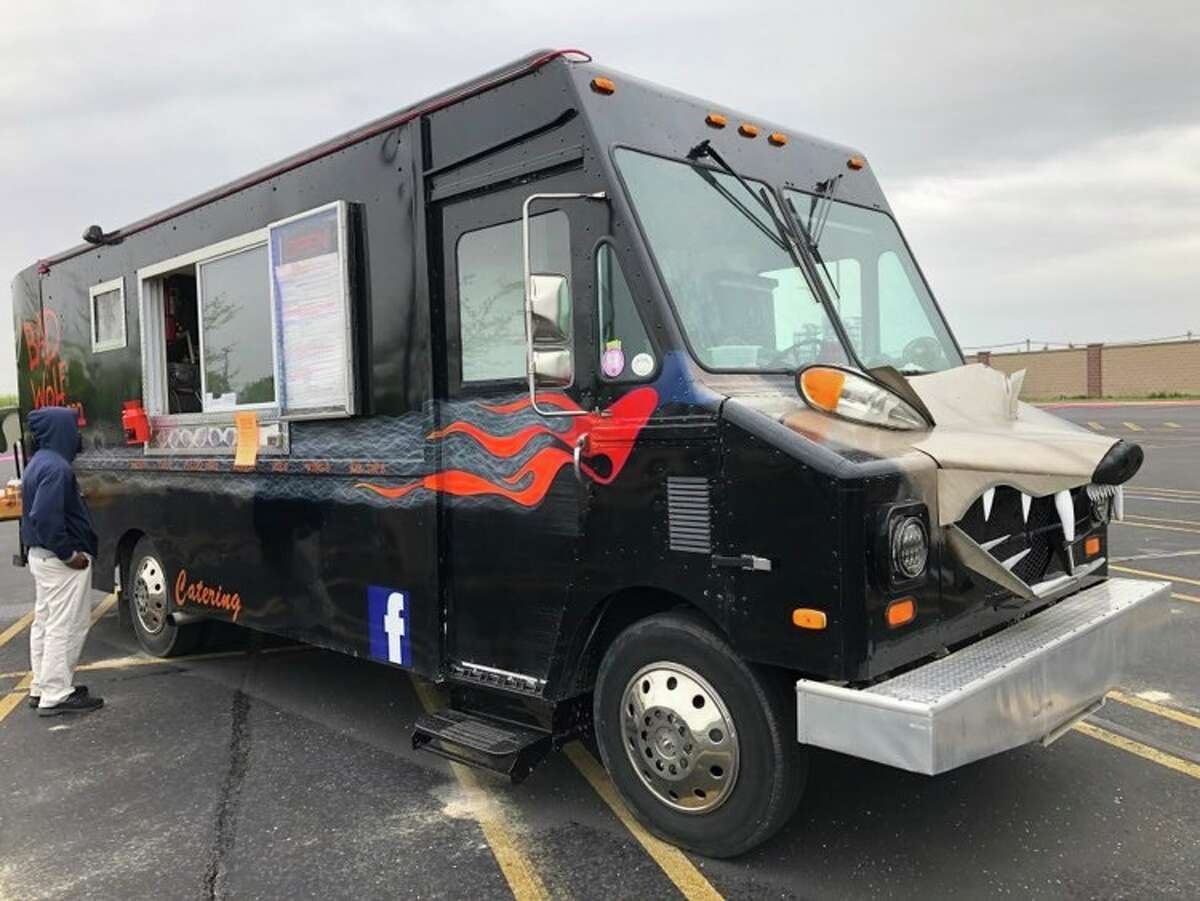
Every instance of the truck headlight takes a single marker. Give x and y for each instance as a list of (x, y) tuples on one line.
[(910, 547), (853, 396)]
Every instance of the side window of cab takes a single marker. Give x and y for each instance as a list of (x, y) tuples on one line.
[(626, 354)]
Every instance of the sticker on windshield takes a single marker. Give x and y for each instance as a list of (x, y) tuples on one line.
[(612, 361), (642, 364)]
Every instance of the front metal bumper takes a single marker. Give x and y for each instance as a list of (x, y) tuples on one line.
[(1020, 685)]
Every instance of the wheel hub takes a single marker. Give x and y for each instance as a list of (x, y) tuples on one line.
[(150, 595), (679, 737)]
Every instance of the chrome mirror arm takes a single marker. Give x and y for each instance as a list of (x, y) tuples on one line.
[(529, 371)]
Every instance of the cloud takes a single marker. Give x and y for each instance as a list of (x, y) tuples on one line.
[(1100, 242)]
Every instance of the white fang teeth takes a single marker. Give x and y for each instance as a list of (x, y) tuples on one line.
[(988, 497), (1015, 559), (1026, 503), (1118, 503), (1066, 514)]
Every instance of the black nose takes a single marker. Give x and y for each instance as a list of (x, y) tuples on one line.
[(1119, 465)]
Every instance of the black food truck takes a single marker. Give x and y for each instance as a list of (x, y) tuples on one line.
[(615, 410)]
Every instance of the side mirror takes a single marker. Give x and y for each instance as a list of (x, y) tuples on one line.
[(550, 305), (553, 363), (553, 367), (548, 317)]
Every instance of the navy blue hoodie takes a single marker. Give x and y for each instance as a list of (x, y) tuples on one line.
[(55, 516)]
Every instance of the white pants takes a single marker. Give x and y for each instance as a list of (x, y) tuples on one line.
[(61, 619)]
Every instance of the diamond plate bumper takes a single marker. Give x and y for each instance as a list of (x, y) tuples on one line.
[(1022, 684)]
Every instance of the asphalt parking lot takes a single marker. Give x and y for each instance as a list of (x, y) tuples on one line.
[(270, 770)]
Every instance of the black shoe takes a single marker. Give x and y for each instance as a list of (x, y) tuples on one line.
[(76, 703), (34, 700)]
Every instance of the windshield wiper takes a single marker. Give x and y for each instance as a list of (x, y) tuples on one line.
[(772, 236), (818, 213), (790, 230), (784, 238)]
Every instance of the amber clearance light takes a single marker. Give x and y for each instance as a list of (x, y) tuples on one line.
[(808, 618), (603, 85), (746, 130), (901, 612), (716, 120)]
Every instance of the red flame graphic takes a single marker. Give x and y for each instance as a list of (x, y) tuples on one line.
[(610, 434)]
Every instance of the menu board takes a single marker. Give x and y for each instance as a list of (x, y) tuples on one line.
[(310, 293)]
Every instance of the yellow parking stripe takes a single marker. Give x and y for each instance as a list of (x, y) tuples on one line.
[(23, 623), (103, 607), (1162, 758), (1153, 575), (1151, 525), (1181, 522), (1171, 425), (681, 871), (124, 662), (515, 865), (16, 697), (1185, 597), (1164, 492), (1133, 426), (1096, 426), (15, 629), (1170, 713)]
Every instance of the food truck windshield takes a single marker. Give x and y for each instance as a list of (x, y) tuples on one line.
[(742, 301)]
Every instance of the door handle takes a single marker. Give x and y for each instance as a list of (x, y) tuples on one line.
[(580, 443)]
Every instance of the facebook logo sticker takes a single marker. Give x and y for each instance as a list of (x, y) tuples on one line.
[(387, 621)]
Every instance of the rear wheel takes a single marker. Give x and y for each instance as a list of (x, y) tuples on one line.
[(149, 602), (701, 746)]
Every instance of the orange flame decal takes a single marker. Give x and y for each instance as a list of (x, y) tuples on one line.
[(610, 434)]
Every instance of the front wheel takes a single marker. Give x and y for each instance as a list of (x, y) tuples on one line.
[(701, 746), (149, 606)]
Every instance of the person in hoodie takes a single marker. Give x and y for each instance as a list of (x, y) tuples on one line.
[(56, 527)]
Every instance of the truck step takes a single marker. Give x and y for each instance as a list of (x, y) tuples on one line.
[(478, 741)]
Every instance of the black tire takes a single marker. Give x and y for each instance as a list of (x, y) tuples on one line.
[(769, 766), (154, 631)]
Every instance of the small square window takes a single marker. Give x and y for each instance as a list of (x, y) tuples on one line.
[(107, 302)]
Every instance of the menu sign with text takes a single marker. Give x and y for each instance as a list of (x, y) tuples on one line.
[(311, 309)]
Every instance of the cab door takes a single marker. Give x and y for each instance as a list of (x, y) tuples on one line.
[(511, 507)]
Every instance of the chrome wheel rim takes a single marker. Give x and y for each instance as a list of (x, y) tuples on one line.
[(679, 737), (150, 595)]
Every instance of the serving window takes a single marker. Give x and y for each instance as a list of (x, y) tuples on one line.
[(261, 322)]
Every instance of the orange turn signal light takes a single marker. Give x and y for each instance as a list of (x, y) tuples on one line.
[(777, 138), (823, 387), (1091, 546), (855, 163), (901, 612), (603, 85), (807, 618), (746, 130), (715, 120)]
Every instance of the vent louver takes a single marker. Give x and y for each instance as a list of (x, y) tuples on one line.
[(689, 519)]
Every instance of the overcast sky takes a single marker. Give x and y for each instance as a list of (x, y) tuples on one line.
[(1043, 158)]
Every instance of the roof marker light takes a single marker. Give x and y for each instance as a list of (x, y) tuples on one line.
[(715, 120), (777, 138), (746, 130), (603, 85), (855, 163)]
